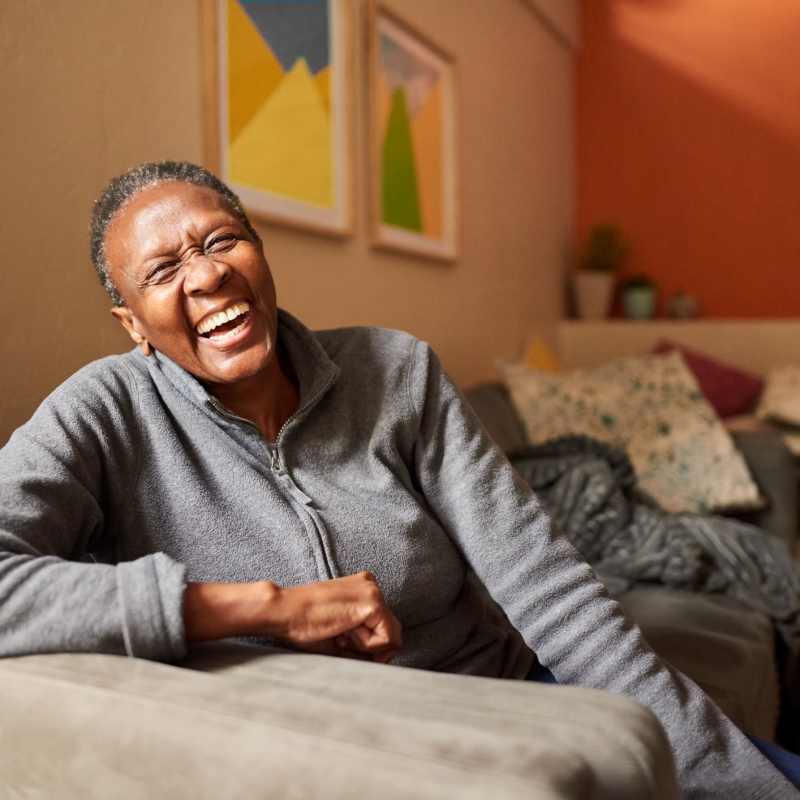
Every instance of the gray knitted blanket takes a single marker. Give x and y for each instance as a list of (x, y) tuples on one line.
[(589, 489)]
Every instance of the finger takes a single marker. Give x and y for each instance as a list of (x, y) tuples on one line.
[(355, 649), (339, 646), (385, 636), (396, 631), (366, 639), (386, 630)]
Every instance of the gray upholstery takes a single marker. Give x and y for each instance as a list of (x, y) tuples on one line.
[(492, 404), (774, 469), (248, 723), (726, 649)]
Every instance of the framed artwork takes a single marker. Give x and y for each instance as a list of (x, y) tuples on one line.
[(412, 141), (278, 86)]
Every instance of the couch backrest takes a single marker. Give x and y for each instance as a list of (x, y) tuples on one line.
[(492, 404)]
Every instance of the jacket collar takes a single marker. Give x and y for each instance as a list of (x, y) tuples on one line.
[(315, 370)]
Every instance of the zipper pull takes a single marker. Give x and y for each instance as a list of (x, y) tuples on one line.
[(276, 461)]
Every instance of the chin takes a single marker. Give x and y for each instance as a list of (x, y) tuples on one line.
[(240, 367)]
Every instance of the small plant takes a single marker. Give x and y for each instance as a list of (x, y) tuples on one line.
[(640, 281), (605, 249)]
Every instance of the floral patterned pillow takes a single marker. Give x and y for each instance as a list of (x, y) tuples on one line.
[(653, 408), (780, 401)]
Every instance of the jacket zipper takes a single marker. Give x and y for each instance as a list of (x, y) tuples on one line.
[(275, 458)]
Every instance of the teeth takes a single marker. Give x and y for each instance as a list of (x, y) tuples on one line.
[(221, 317)]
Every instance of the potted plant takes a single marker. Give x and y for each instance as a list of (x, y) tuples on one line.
[(639, 297), (601, 258)]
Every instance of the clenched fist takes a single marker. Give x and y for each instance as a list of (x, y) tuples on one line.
[(344, 616), (341, 615)]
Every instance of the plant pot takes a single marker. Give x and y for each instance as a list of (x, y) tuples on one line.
[(593, 292), (682, 306), (639, 302)]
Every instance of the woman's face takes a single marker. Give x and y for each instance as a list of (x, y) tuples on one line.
[(179, 256)]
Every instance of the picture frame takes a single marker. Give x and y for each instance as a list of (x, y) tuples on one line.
[(412, 138), (278, 108)]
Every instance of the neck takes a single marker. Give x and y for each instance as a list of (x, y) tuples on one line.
[(267, 399)]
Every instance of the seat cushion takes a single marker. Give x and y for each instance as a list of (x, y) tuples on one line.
[(727, 649), (252, 723)]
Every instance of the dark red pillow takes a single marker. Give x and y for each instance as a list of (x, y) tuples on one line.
[(729, 390)]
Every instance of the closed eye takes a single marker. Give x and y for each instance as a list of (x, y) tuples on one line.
[(219, 244), (162, 272)]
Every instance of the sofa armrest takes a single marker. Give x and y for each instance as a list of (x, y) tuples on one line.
[(242, 722)]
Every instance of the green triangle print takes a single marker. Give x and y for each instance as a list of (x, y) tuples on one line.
[(400, 199)]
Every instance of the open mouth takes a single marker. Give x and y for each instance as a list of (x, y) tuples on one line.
[(224, 322)]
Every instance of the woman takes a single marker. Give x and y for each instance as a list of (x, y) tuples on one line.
[(238, 475)]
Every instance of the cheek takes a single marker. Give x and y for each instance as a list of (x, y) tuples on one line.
[(270, 284), (165, 317)]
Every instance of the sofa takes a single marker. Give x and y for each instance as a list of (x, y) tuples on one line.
[(238, 721)]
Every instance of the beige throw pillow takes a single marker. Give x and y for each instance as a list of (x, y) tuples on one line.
[(652, 407), (780, 401)]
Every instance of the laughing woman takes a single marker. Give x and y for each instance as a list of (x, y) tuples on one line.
[(236, 474)]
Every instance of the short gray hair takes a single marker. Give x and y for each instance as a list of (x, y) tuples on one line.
[(122, 188)]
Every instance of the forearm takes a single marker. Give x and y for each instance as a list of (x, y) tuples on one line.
[(60, 475), (49, 604), (219, 610)]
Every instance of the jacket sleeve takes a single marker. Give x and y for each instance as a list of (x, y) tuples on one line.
[(57, 472), (552, 597)]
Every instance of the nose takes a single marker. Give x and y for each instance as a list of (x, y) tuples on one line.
[(205, 275)]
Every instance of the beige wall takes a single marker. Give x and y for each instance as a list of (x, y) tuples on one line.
[(90, 87), (562, 15)]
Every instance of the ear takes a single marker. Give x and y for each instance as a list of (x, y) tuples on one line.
[(128, 321)]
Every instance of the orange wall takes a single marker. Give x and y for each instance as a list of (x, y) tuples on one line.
[(688, 121)]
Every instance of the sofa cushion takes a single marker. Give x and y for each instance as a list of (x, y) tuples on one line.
[(781, 398), (250, 723), (727, 649)]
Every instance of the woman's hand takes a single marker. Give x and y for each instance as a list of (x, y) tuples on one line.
[(343, 616)]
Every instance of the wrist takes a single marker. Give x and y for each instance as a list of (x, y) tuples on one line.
[(267, 601), (218, 610)]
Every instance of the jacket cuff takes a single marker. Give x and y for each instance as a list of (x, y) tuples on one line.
[(151, 600)]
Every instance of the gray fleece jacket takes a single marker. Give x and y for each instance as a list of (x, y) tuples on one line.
[(133, 464)]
